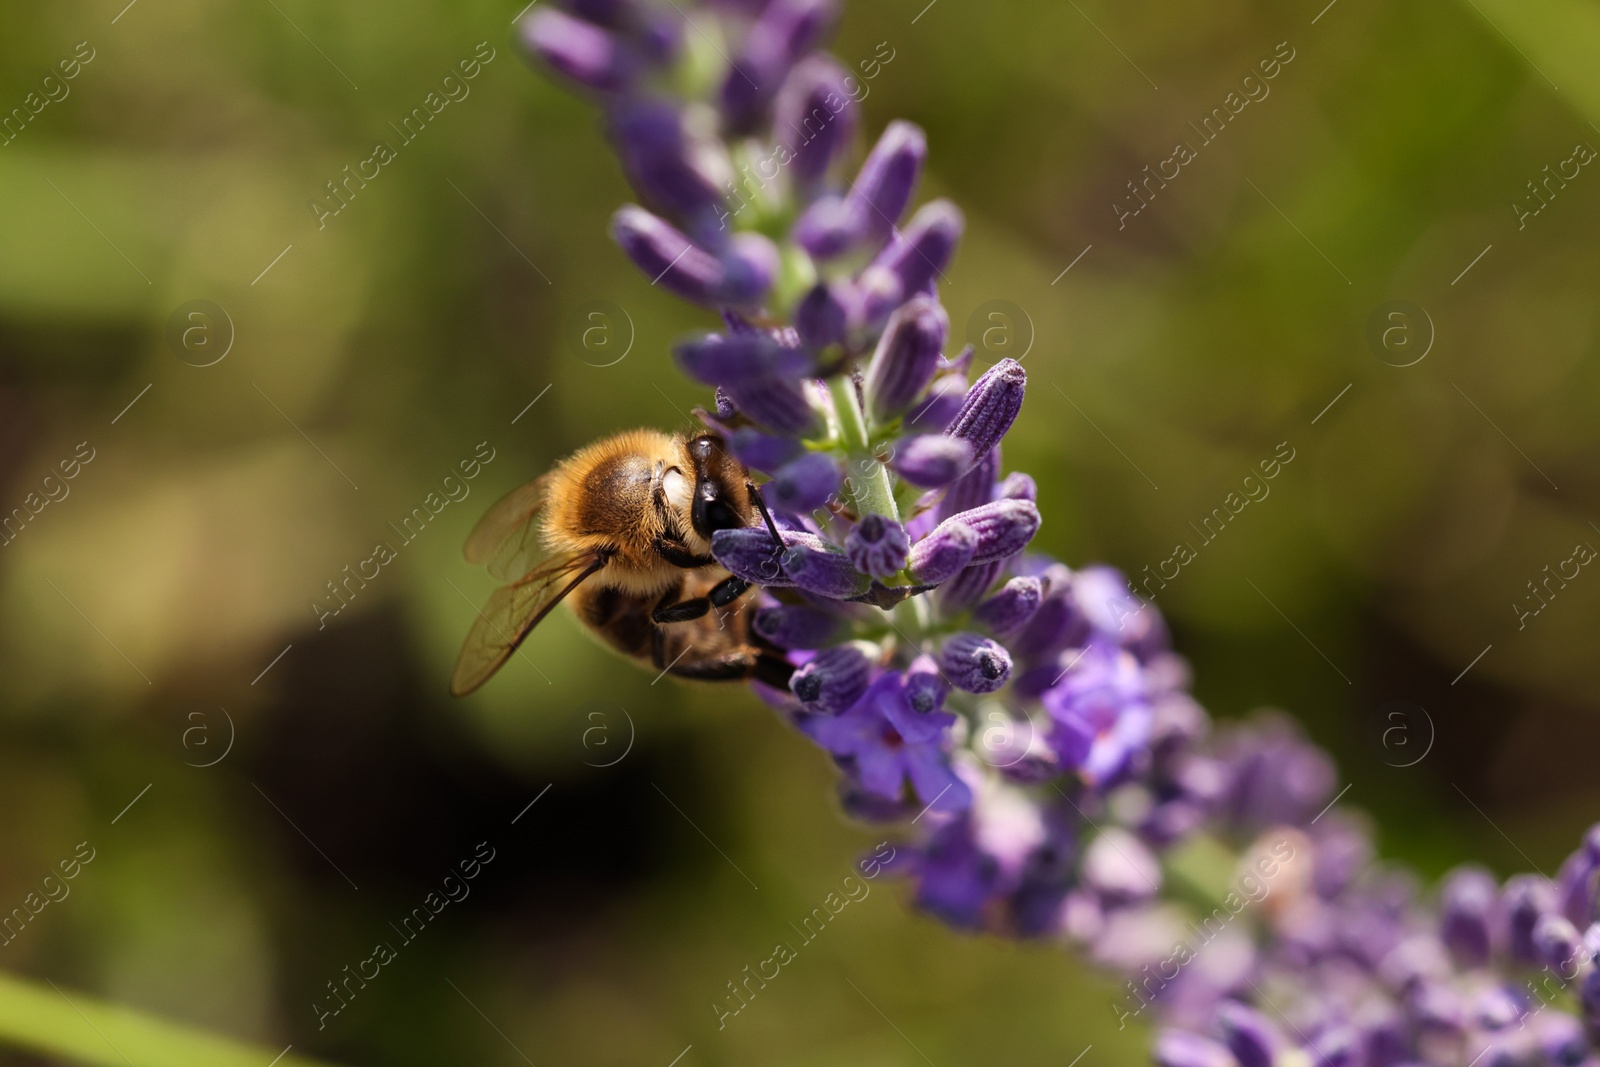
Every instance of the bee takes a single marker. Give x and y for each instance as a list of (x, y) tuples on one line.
[(621, 531)]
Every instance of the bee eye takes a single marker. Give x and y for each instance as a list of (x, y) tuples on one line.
[(711, 511), (675, 487)]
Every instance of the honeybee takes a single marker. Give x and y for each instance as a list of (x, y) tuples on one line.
[(621, 530)]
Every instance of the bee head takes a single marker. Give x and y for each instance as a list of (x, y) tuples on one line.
[(720, 501)]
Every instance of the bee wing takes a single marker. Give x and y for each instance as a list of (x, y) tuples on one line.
[(511, 614), (507, 537)]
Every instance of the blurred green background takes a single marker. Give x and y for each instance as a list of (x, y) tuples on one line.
[(143, 611)]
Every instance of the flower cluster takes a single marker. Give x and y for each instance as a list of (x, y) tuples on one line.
[(1028, 721)]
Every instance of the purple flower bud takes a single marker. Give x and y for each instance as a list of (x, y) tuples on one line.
[(649, 139), (680, 266), (974, 663), (878, 197), (974, 488), (830, 227), (749, 267), (963, 591), (934, 412), (582, 51), (785, 31), (1248, 1033), (888, 176), (1577, 879), (1527, 899), (1003, 528), (762, 452), (878, 546), (793, 627), (1010, 609), (1179, 1048), (925, 686), (1467, 903), (749, 552), (821, 318), (778, 404), (941, 555), (991, 406), (1019, 486), (931, 460), (803, 119), (1557, 945), (906, 358), (805, 484), (719, 359), (831, 683), (915, 257), (824, 572)]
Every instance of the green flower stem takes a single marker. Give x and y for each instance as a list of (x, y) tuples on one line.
[(76, 1027), (869, 480)]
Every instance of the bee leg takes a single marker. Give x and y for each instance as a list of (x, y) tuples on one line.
[(737, 666), (723, 593), (678, 554)]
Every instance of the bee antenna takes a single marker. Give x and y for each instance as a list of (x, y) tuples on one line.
[(761, 505)]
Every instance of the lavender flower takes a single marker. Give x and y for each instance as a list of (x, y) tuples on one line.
[(887, 745), (932, 461), (974, 663), (943, 553), (825, 572), (991, 406), (907, 357), (878, 546), (833, 681), (1028, 724), (580, 50)]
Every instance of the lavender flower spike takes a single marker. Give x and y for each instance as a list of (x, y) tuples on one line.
[(1063, 830), (975, 663), (907, 357), (991, 406)]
